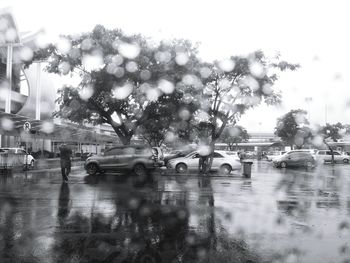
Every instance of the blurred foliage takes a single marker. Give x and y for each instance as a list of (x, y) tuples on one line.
[(232, 135), (331, 131), (128, 82), (292, 128)]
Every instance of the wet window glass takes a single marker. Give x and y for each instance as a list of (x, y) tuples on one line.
[(217, 155)]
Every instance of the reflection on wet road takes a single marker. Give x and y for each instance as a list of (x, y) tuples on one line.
[(276, 216)]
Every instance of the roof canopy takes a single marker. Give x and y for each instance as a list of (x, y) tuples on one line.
[(25, 127)]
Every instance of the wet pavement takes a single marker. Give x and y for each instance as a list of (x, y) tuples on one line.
[(279, 215)]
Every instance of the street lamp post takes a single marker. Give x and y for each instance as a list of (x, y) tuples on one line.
[(9, 77), (308, 100)]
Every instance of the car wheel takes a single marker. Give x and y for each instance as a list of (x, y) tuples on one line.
[(140, 169), (181, 168), (346, 161), (92, 168), (309, 164), (225, 169), (283, 164)]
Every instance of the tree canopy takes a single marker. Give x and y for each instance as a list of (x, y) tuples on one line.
[(129, 81), (232, 135), (292, 128), (121, 76), (231, 87)]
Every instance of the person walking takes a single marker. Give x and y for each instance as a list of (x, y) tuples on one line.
[(65, 158)]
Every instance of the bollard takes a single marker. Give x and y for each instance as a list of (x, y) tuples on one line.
[(247, 169)]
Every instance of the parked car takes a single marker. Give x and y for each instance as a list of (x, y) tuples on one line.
[(86, 155), (175, 154), (295, 158), (137, 158), (221, 161), (234, 154), (326, 156), (25, 159), (43, 154), (270, 156)]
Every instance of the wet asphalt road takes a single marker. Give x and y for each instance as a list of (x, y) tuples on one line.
[(279, 215)]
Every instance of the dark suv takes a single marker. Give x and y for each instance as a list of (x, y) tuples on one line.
[(136, 158)]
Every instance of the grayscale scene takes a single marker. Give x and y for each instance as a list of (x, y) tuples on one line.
[(158, 131)]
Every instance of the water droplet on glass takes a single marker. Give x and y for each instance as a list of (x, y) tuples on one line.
[(63, 45), (181, 58), (129, 51), (7, 124), (26, 53), (226, 65), (131, 66), (166, 86), (123, 92), (86, 93)]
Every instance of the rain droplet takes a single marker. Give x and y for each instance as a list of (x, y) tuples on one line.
[(121, 93), (86, 93), (87, 44), (166, 86), (163, 57), (226, 65), (153, 94), (64, 67), (205, 72), (181, 58), (119, 72), (92, 62), (42, 40), (131, 66), (117, 59), (266, 89), (7, 124), (63, 45), (26, 53), (170, 137), (257, 70), (11, 35), (129, 51), (184, 114), (145, 74), (251, 82), (47, 127)]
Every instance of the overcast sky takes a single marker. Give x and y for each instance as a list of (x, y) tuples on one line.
[(312, 33)]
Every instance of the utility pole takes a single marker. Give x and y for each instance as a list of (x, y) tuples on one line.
[(9, 77)]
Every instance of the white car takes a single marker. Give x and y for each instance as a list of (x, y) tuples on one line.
[(233, 154), (221, 162), (326, 156), (21, 155), (270, 156)]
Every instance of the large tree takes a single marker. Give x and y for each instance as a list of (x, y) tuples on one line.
[(331, 132), (121, 77), (292, 128), (233, 86), (232, 135)]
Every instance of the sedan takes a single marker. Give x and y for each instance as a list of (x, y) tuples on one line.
[(295, 158), (326, 156), (221, 162)]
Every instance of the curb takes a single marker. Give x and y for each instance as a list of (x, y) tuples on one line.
[(54, 169)]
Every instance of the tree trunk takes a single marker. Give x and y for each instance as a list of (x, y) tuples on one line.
[(210, 157), (123, 135), (332, 152)]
